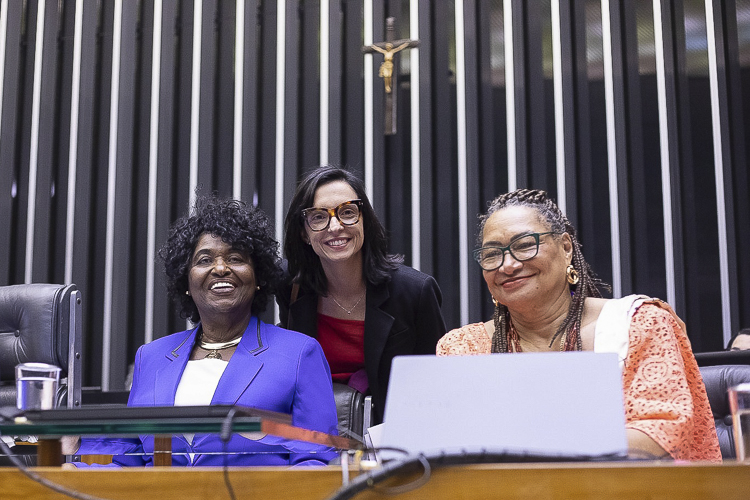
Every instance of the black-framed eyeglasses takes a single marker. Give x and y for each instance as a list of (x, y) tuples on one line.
[(523, 248), (319, 219)]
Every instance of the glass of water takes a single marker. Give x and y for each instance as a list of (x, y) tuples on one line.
[(739, 403), (36, 386)]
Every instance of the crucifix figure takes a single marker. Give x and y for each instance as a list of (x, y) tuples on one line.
[(389, 71), (386, 68)]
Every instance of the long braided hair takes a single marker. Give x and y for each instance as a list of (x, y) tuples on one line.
[(587, 286)]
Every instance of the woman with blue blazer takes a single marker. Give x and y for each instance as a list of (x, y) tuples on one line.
[(222, 267)]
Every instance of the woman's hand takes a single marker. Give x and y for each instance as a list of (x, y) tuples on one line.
[(640, 445), (70, 444)]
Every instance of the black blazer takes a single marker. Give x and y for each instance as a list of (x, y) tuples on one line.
[(401, 317)]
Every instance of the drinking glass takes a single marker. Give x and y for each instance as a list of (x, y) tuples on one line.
[(739, 403), (36, 386)]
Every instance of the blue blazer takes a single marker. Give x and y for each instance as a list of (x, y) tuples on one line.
[(272, 369)]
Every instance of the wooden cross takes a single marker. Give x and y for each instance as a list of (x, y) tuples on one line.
[(388, 70)]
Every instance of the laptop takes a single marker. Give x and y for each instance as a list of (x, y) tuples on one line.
[(566, 405)]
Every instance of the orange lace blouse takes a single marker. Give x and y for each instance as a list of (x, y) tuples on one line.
[(663, 389)]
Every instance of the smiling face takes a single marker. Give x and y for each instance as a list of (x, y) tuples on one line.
[(336, 243), (533, 282), (221, 279)]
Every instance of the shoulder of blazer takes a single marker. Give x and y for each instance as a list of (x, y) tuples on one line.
[(406, 278), (169, 344), (280, 339)]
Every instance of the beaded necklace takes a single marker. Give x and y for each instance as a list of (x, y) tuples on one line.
[(514, 340)]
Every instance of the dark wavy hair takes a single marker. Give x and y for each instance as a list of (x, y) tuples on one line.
[(243, 227), (304, 263), (587, 286)]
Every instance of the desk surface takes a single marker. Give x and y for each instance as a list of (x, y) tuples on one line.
[(653, 480)]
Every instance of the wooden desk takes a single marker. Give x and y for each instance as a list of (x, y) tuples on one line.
[(645, 480)]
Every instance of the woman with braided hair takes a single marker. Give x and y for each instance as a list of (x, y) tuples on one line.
[(547, 298)]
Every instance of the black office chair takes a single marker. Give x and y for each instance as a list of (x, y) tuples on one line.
[(354, 411), (718, 379), (40, 323)]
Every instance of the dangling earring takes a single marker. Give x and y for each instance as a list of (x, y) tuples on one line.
[(187, 292), (571, 274), (257, 287)]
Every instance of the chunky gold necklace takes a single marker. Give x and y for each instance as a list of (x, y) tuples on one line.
[(213, 348)]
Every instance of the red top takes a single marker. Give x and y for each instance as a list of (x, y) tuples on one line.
[(343, 343)]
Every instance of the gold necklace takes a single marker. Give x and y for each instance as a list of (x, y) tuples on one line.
[(515, 340), (213, 348), (349, 311)]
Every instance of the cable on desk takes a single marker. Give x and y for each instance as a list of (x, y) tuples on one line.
[(41, 480), (226, 434), (427, 463)]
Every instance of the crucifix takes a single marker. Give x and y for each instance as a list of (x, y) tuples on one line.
[(389, 71)]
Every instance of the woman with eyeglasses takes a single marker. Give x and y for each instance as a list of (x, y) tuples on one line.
[(547, 298), (344, 289)]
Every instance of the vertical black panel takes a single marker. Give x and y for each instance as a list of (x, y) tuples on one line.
[(379, 166), (166, 164), (352, 123), (66, 15), (183, 107), (88, 141), (292, 97), (250, 102), (473, 176), (224, 26), (335, 83), (492, 134), (738, 75), (396, 175), (573, 62), (672, 31), (267, 111), (646, 204), (445, 159), (28, 37), (428, 221), (47, 146), (207, 112), (127, 170), (623, 67), (539, 99), (700, 229), (15, 91), (97, 245), (308, 82), (585, 136), (593, 177), (729, 149), (521, 104), (143, 56)]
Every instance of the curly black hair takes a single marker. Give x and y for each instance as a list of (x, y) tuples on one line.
[(243, 227)]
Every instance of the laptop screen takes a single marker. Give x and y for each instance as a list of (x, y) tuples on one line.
[(551, 404)]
